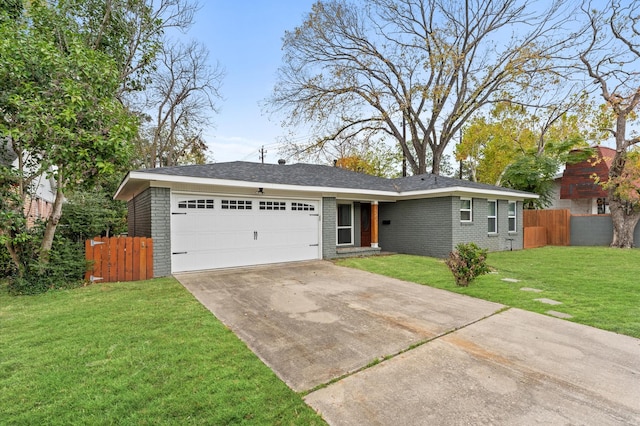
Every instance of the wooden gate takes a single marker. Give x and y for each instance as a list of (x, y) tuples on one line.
[(546, 227), (119, 259)]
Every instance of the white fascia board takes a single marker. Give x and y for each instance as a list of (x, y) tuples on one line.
[(162, 180), (166, 180), (122, 185), (466, 191)]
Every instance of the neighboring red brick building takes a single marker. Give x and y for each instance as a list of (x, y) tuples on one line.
[(577, 190)]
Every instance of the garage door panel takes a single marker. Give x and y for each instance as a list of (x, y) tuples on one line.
[(271, 231)]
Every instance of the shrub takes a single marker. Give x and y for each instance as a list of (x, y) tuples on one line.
[(466, 262), (65, 269), (7, 267)]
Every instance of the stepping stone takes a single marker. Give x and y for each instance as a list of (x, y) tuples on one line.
[(559, 314), (510, 280), (548, 301), (533, 290)]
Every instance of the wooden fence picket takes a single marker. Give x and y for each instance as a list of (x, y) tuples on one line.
[(547, 227), (119, 259)]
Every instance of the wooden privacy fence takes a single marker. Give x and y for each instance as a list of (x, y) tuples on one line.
[(119, 259), (546, 227)]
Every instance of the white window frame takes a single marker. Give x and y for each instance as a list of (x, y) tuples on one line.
[(350, 226), (494, 217), (513, 216), (470, 210)]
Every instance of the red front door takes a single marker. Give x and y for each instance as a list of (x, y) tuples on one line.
[(365, 225)]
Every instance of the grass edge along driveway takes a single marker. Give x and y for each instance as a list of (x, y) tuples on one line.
[(141, 352), (597, 286)]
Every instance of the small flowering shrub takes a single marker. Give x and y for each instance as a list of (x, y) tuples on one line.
[(466, 262)]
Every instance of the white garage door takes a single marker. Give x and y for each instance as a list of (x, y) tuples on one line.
[(209, 232)]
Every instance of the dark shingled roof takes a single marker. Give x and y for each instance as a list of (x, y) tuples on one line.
[(317, 175)]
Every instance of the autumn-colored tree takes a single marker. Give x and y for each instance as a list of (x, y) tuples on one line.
[(490, 144), (524, 150), (611, 58)]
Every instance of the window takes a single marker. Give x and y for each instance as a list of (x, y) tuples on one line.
[(273, 205), (466, 210), (302, 207), (512, 216), (345, 224), (196, 204), (492, 217), (236, 205)]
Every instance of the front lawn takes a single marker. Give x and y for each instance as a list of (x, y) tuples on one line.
[(132, 353), (598, 286)]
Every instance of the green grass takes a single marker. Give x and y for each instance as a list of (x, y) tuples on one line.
[(132, 353), (598, 286)]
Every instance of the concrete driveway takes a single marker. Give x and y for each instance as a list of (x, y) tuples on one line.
[(367, 349)]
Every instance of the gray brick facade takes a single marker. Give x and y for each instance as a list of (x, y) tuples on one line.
[(329, 217), (161, 231), (421, 227), (139, 215), (150, 216), (432, 227), (478, 230)]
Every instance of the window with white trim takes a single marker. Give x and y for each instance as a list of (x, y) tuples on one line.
[(345, 224), (492, 216), (235, 205), (273, 205), (196, 204), (512, 216), (466, 210)]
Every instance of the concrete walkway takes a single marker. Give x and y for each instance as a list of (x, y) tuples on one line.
[(367, 349)]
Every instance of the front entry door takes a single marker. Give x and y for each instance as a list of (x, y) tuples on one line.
[(365, 225)]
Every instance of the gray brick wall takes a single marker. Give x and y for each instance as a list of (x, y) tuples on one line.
[(139, 215), (478, 230), (329, 217), (432, 227), (149, 215), (161, 230), (422, 227)]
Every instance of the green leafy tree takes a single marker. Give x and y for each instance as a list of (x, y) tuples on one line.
[(533, 173), (60, 116), (131, 32), (491, 144)]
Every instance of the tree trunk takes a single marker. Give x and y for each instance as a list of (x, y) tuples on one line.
[(52, 222), (15, 258), (624, 218)]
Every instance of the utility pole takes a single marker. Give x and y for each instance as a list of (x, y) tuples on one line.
[(263, 153), (404, 139)]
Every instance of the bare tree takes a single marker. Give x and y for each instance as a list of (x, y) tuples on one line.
[(612, 59), (357, 70), (180, 100)]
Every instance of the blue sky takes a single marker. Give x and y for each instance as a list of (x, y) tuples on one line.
[(246, 38)]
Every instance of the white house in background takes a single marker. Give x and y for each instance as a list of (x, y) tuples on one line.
[(42, 193)]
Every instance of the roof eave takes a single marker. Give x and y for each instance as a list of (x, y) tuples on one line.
[(135, 180)]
